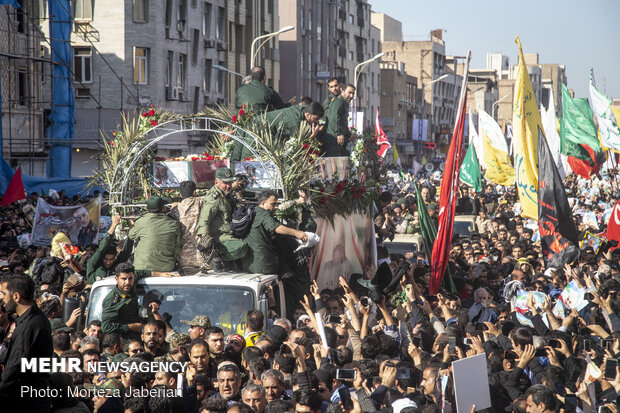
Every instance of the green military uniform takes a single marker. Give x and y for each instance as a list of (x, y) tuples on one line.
[(286, 121), (159, 242), (337, 124), (265, 259), (258, 97), (328, 100), (215, 218), (94, 266), (119, 310)]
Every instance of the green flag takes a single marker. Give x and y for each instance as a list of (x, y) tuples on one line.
[(470, 170), (577, 127), (429, 233)]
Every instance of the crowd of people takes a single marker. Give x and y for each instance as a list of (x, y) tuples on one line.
[(378, 342)]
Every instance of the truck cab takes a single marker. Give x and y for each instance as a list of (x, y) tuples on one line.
[(220, 296)]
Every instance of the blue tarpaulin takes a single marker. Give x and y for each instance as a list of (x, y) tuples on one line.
[(61, 130), (72, 186)]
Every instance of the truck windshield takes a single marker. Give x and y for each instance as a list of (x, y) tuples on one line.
[(225, 306)]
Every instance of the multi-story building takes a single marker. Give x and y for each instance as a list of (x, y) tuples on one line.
[(21, 70), (309, 52), (358, 41), (553, 76), (398, 108), (426, 61), (132, 54)]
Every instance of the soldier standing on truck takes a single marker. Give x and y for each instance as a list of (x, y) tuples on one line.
[(120, 307)]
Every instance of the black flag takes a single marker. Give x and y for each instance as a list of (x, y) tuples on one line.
[(558, 233)]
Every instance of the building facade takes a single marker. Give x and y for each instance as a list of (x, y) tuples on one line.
[(129, 55), (22, 73), (440, 83), (398, 108)]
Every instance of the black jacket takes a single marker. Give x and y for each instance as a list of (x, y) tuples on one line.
[(32, 338)]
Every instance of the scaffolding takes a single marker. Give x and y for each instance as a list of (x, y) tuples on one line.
[(27, 79)]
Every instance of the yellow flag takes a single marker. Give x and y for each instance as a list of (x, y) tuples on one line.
[(616, 113), (396, 158), (499, 170), (525, 124)]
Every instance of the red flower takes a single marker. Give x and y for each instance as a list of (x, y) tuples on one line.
[(241, 112), (154, 122), (145, 114), (305, 146), (234, 118), (111, 143), (322, 189), (153, 106), (249, 158), (323, 200), (152, 112), (113, 133), (194, 158), (210, 158)]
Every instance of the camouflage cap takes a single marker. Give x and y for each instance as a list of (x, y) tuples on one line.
[(200, 321), (177, 339)]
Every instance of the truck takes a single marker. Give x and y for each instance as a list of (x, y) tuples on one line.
[(212, 294)]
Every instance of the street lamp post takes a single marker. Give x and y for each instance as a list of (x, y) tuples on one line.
[(495, 105), (225, 69), (356, 73), (265, 38), (442, 77)]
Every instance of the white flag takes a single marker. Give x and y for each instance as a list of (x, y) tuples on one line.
[(474, 139), (547, 118), (607, 126), (494, 132)]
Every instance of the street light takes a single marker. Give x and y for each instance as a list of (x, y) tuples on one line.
[(218, 67), (356, 73), (266, 38), (362, 65), (442, 77), (495, 103)]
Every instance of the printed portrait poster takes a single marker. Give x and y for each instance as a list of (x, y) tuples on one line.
[(203, 171), (79, 222), (170, 174), (263, 175), (345, 248)]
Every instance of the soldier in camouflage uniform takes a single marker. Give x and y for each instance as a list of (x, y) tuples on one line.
[(178, 342), (214, 221), (198, 326), (187, 212)]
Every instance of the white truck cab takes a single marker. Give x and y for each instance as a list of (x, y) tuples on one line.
[(212, 294)]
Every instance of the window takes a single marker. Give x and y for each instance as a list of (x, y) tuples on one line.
[(206, 20), (181, 74), (351, 18), (350, 55), (140, 65), (82, 64), (169, 60), (220, 32), (195, 40), (168, 13), (140, 11), (182, 11), (206, 86), (220, 86), (83, 10)]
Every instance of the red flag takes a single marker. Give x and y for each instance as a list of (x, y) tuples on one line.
[(447, 199), (15, 191), (613, 226), (381, 137)]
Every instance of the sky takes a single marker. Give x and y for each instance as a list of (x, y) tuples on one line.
[(580, 34)]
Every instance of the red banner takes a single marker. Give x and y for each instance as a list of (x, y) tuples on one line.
[(447, 202), (381, 137)]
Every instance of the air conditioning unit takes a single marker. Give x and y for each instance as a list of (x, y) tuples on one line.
[(181, 25), (222, 46), (181, 94), (172, 93), (209, 44)]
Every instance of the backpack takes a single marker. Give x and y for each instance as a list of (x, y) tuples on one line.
[(242, 220)]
